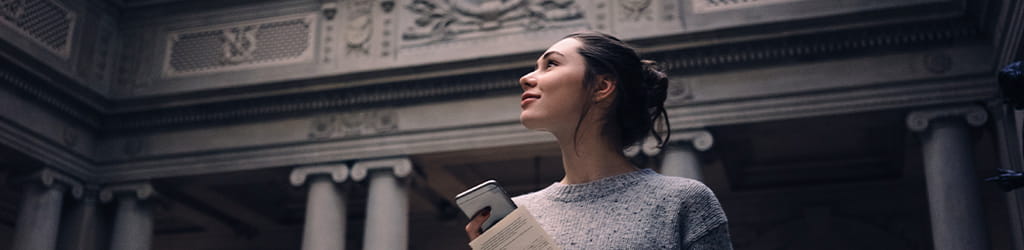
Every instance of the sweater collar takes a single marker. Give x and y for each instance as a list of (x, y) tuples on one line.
[(595, 189)]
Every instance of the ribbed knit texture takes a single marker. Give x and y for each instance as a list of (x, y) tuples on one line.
[(637, 210)]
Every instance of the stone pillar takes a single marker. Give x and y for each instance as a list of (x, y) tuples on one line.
[(953, 198), (325, 206), (680, 153), (79, 230), (133, 223), (387, 208), (39, 216)]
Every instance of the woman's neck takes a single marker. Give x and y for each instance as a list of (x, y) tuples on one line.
[(590, 158)]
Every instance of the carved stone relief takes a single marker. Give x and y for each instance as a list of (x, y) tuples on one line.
[(937, 63), (353, 124), (359, 26), (636, 9), (703, 6), (679, 92), (264, 42), (238, 44), (446, 20), (46, 22), (70, 137)]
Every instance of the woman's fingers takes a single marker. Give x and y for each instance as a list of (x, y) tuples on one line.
[(473, 228)]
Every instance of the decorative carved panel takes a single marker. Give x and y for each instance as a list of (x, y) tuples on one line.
[(704, 6), (460, 19), (47, 22), (244, 45), (353, 124)]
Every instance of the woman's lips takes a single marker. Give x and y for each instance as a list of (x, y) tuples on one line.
[(527, 100)]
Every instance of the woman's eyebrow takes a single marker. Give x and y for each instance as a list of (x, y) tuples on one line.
[(546, 54)]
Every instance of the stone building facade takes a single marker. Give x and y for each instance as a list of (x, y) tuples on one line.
[(351, 124)]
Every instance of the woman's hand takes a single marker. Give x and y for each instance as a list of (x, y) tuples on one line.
[(473, 228)]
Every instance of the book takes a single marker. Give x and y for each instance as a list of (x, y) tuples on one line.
[(518, 230)]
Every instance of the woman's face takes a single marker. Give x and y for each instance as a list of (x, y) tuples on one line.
[(553, 93)]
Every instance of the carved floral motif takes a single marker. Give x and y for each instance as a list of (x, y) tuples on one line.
[(239, 43), (443, 20), (353, 124)]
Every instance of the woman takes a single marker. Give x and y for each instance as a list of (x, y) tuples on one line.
[(596, 96)]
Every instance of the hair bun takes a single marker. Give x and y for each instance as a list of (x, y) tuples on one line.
[(655, 84)]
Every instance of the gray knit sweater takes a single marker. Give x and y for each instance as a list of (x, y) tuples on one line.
[(637, 210)]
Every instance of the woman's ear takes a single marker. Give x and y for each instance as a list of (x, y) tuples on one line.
[(605, 89)]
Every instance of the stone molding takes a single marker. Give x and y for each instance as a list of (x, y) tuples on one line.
[(52, 98), (973, 115), (401, 167), (140, 190), (49, 178), (338, 172)]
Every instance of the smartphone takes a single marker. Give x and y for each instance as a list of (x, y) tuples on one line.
[(487, 194)]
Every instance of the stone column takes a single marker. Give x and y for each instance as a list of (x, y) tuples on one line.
[(133, 223), (680, 153), (325, 206), (39, 216), (387, 208), (79, 230), (953, 198)]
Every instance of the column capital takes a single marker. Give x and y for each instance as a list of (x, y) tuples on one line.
[(701, 140), (974, 115), (50, 178), (141, 190), (338, 172), (400, 166)]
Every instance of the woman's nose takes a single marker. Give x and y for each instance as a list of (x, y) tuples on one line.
[(527, 81)]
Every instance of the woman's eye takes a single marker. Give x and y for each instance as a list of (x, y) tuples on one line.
[(550, 64)]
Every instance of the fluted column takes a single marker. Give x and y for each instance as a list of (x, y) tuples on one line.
[(387, 208), (79, 230), (325, 206), (680, 153), (39, 215), (953, 199), (133, 223)]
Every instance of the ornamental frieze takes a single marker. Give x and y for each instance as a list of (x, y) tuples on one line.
[(437, 20)]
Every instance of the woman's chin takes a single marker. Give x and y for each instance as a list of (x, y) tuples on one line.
[(529, 121)]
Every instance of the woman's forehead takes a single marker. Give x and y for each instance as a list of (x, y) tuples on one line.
[(566, 46)]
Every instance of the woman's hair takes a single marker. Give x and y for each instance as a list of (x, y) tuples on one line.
[(640, 87)]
